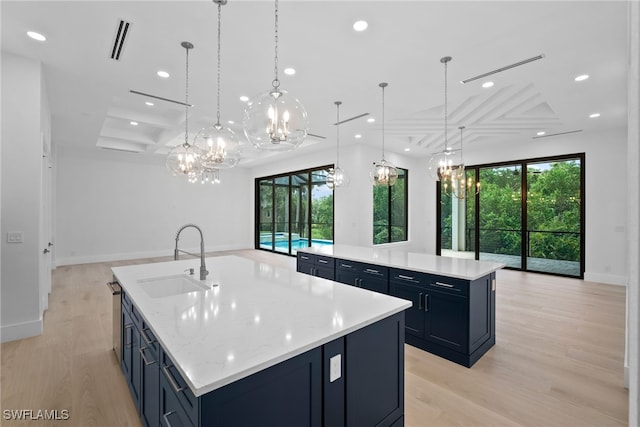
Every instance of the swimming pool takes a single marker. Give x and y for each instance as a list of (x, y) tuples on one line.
[(296, 244)]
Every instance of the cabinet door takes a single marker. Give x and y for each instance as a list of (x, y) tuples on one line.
[(304, 267), (447, 320), (136, 367), (413, 316), (127, 344), (150, 402), (347, 277), (171, 413), (374, 283), (325, 273)]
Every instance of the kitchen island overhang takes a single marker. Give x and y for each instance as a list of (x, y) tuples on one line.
[(252, 317)]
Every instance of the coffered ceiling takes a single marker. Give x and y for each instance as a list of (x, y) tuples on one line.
[(92, 104)]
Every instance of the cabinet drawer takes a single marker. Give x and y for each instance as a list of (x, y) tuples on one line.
[(362, 268), (409, 277), (126, 302), (186, 398), (449, 285), (136, 317), (325, 261), (305, 257)]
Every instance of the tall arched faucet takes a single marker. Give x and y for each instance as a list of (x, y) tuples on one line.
[(203, 269)]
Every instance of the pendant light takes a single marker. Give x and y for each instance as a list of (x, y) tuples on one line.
[(443, 165), (210, 176), (275, 120), (383, 173), (219, 145), (337, 177), (185, 159), (457, 184)]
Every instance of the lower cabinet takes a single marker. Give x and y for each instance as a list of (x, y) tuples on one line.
[(316, 265), (365, 389), (450, 317)]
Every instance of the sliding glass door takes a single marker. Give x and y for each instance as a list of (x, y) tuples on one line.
[(529, 216), (294, 210)]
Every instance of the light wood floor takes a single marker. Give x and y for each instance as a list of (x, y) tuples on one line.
[(558, 359)]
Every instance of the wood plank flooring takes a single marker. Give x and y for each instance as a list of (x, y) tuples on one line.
[(558, 359)]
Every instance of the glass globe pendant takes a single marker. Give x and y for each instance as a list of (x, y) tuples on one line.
[(185, 159), (219, 145), (383, 173), (337, 177), (275, 120)]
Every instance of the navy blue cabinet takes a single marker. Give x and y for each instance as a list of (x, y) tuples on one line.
[(453, 318), (316, 265), (150, 377), (130, 362), (367, 276)]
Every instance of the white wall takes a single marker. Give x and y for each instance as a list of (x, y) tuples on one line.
[(22, 112), (113, 206)]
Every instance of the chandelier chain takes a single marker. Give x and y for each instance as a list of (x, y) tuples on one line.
[(338, 133), (219, 23), (446, 139), (383, 85), (276, 82), (186, 99)]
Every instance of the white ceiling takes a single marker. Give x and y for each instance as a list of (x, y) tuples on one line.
[(91, 104)]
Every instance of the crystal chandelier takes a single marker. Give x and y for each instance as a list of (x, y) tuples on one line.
[(275, 120), (337, 177), (383, 173), (219, 145), (185, 159), (456, 182), (210, 176)]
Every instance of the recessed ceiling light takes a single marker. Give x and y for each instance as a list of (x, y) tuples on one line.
[(149, 103), (360, 25), (231, 122), (541, 133), (244, 98), (133, 123), (407, 149), (289, 71), (594, 115), (582, 77), (371, 120), (487, 84), (36, 36), (163, 74), (357, 136)]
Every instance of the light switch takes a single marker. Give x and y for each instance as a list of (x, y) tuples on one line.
[(15, 237), (335, 367)]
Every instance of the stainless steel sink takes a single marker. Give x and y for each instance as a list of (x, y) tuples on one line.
[(159, 287)]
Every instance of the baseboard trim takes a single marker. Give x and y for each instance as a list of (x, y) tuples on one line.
[(90, 259), (608, 279), (20, 331)]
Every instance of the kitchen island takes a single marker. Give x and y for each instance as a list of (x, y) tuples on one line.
[(453, 311), (258, 345)]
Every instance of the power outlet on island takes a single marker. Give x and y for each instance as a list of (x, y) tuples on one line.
[(335, 367)]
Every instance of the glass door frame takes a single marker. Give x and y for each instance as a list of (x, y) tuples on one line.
[(524, 211), (290, 175)]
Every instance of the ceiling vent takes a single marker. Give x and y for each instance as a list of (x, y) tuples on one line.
[(506, 67), (119, 40)]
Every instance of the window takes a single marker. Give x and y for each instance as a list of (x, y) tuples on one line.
[(294, 210), (390, 207)]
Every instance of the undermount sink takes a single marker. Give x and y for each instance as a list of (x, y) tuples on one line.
[(158, 287)]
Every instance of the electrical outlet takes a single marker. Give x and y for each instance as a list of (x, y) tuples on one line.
[(15, 237), (335, 367)]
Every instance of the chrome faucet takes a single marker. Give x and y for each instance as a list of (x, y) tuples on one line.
[(203, 269)]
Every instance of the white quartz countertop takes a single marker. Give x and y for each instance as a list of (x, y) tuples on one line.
[(461, 268), (251, 316)]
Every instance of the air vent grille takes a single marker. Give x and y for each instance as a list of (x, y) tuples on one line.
[(501, 69), (556, 134), (119, 40)]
